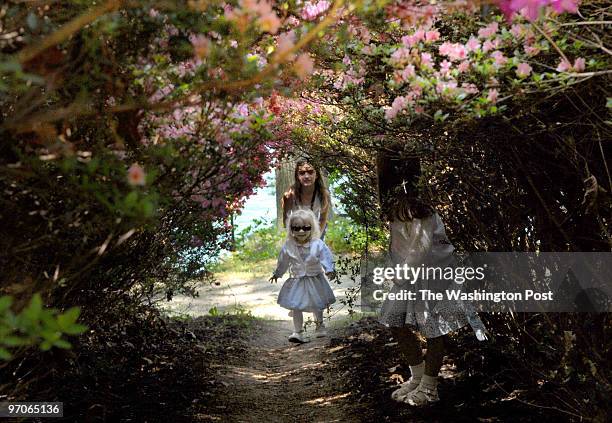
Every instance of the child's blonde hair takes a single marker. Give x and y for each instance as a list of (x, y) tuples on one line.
[(307, 216)]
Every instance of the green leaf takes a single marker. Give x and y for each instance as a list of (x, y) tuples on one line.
[(5, 354), (6, 301), (130, 199), (75, 329), (60, 343), (14, 341), (67, 319), (33, 310)]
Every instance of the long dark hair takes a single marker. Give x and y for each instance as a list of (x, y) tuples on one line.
[(397, 187), (320, 189)]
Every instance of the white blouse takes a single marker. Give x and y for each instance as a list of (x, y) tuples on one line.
[(420, 241), (309, 259)]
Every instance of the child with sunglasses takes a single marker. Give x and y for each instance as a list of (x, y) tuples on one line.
[(309, 260)]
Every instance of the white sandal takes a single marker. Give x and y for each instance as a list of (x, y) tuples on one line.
[(425, 394), (404, 389)]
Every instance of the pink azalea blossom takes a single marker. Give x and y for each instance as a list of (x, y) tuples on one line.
[(445, 67), (284, 44), (303, 66), (201, 45), (269, 22), (409, 40), (398, 105), (492, 95), (313, 10), (579, 64), (433, 35), (564, 66), (489, 30), (473, 44), (532, 50), (517, 30), (400, 56), (469, 88), (136, 175), (463, 66), (426, 60), (488, 45), (561, 6), (523, 70), (528, 8), (408, 72), (499, 58)]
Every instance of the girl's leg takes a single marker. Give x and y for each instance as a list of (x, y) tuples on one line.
[(435, 354), (409, 345), (298, 320), (427, 391), (319, 326), (411, 356)]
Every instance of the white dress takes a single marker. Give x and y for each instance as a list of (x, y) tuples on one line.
[(308, 288), (424, 242)]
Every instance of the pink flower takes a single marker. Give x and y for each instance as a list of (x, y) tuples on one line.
[(469, 88), (136, 175), (579, 64), (499, 57), (528, 8), (488, 45), (269, 22), (473, 44), (303, 66), (517, 30), (561, 6), (201, 46), (492, 95), (284, 44), (463, 66), (523, 70), (445, 67), (564, 66), (532, 50), (401, 55), (431, 36), (426, 60), (489, 30), (408, 72), (398, 105), (312, 10)]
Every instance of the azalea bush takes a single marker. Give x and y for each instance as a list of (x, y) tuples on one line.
[(130, 132), (507, 117)]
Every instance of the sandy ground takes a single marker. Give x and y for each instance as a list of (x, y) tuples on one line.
[(282, 382), (249, 290)]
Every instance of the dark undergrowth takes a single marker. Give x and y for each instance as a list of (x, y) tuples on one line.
[(480, 382), (150, 369)]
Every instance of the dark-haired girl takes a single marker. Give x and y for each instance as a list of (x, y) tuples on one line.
[(418, 238)]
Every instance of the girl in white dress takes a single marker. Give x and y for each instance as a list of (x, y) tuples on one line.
[(418, 238), (308, 260)]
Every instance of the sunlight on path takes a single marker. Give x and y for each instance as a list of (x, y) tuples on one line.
[(248, 291)]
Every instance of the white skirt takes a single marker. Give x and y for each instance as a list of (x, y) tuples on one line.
[(308, 293)]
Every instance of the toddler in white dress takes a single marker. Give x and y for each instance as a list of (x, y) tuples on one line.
[(308, 260)]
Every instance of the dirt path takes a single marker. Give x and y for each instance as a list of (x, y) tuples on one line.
[(281, 382)]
